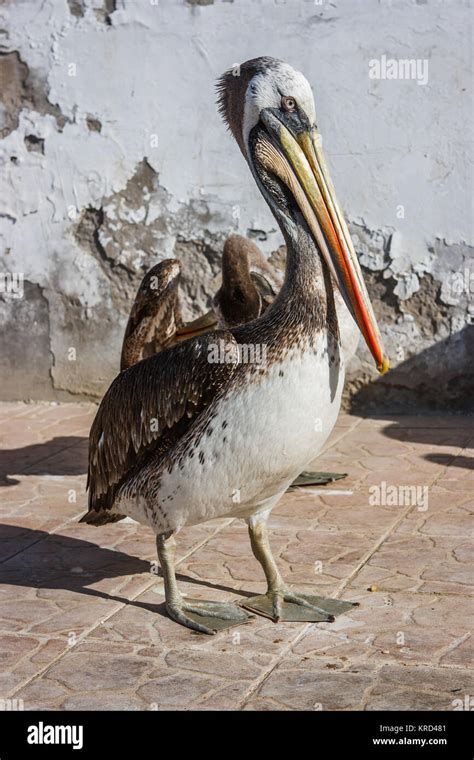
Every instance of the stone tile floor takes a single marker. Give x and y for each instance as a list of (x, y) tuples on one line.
[(82, 623)]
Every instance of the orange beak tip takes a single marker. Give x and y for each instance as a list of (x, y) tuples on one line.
[(384, 366)]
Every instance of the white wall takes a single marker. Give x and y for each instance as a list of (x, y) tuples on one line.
[(146, 71)]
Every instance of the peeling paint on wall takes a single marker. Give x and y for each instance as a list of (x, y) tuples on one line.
[(113, 158)]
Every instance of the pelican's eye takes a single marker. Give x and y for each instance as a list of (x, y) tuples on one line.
[(288, 103)]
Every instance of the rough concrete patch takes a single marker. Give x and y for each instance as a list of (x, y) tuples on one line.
[(13, 76), (34, 144), (427, 309), (104, 14), (129, 232), (21, 87), (77, 8), (439, 378), (143, 182), (87, 236), (372, 246), (25, 350), (93, 124), (117, 237), (428, 335), (86, 348), (37, 363), (381, 292), (200, 265), (430, 362)]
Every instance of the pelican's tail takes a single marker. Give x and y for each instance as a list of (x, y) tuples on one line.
[(100, 518)]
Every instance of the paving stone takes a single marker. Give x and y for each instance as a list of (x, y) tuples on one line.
[(83, 671), (314, 687), (228, 665), (176, 690), (82, 617), (104, 701)]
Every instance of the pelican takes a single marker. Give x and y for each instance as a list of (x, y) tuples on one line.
[(249, 286), (155, 317), (182, 437)]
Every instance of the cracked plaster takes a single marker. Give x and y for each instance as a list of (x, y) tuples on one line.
[(100, 99)]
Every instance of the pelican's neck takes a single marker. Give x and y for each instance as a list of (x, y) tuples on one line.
[(236, 268), (304, 307), (304, 275), (307, 287), (237, 284)]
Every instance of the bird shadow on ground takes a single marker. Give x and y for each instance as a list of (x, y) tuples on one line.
[(420, 431), (467, 463), (435, 389), (64, 455), (37, 559)]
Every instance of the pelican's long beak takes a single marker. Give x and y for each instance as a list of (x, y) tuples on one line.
[(198, 326), (299, 163)]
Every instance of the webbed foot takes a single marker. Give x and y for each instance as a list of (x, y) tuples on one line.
[(289, 606), (316, 479), (206, 617)]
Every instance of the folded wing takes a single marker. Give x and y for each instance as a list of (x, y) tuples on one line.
[(149, 407)]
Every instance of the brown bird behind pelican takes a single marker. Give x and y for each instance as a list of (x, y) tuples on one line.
[(249, 286), (155, 316)]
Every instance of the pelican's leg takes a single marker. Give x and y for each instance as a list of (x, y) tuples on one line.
[(202, 616), (279, 603)]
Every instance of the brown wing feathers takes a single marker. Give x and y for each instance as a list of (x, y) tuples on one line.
[(149, 407)]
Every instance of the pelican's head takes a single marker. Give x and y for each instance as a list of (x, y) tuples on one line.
[(269, 108), (237, 301), (159, 284)]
